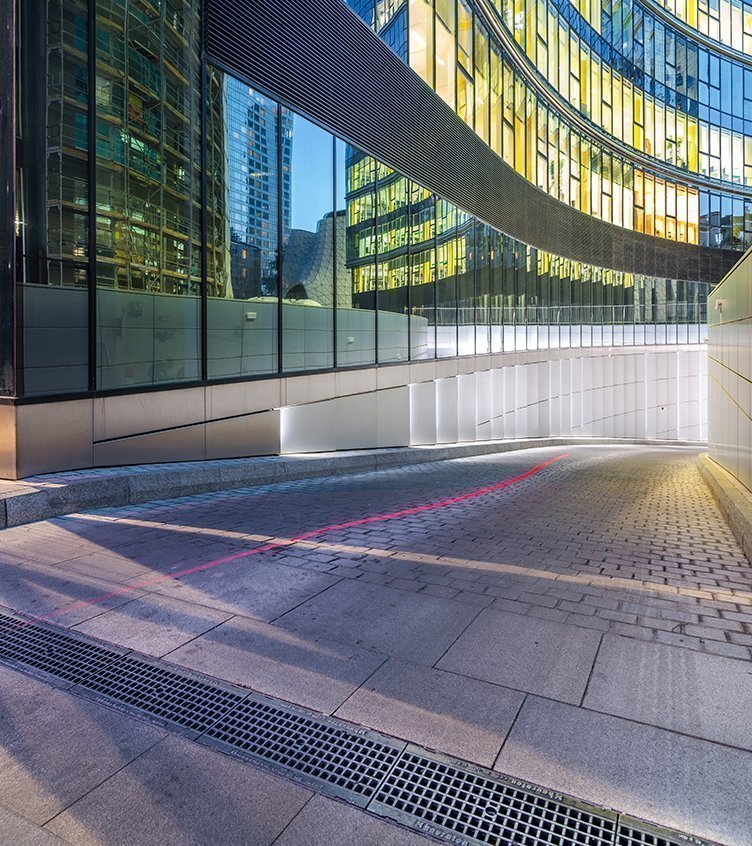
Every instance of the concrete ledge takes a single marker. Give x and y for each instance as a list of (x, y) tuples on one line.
[(43, 497), (734, 500)]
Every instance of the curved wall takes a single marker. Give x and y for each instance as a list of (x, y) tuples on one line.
[(629, 392), (356, 86)]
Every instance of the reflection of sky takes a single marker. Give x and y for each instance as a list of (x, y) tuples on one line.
[(311, 184)]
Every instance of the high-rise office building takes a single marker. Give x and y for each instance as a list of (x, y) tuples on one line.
[(225, 199)]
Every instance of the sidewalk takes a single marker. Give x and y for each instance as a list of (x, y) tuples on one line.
[(578, 618)]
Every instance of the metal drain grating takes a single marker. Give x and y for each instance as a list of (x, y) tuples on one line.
[(164, 694), (57, 653), (482, 808), (323, 751), (634, 833), (456, 802)]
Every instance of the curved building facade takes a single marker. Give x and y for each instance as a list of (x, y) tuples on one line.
[(205, 199)]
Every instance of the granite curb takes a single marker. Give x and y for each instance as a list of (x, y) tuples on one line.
[(734, 500), (55, 494)]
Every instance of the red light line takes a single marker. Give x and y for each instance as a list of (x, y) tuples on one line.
[(268, 547)]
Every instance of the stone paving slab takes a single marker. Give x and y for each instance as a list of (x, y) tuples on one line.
[(676, 781), (16, 831), (398, 623), (615, 542), (57, 747), (333, 823), (253, 588), (154, 625), (703, 695), (180, 794), (538, 656), (316, 673), (441, 711)]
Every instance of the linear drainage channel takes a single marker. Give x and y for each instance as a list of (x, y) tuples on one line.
[(438, 796)]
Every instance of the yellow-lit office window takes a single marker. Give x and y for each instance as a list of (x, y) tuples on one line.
[(693, 216), (531, 134), (481, 84), (553, 51), (584, 176), (660, 208), (574, 73), (681, 213), (421, 40), (496, 107), (464, 35), (595, 91), (649, 205), (618, 109), (638, 137), (465, 97), (693, 159), (519, 125), (606, 101), (670, 211), (584, 104), (628, 127), (445, 64), (748, 161)]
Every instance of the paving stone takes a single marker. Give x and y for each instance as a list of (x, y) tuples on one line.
[(702, 695), (316, 673), (16, 831), (524, 653), (401, 624), (439, 710), (692, 785), (56, 747), (251, 587), (180, 793), (325, 821), (153, 624)]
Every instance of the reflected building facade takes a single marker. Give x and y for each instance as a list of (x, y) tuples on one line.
[(183, 215)]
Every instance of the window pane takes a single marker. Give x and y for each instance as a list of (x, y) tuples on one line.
[(148, 195), (356, 275), (243, 219), (308, 246)]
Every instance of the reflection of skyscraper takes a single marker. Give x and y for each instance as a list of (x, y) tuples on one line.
[(251, 158)]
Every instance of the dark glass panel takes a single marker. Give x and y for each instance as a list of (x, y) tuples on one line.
[(308, 247)]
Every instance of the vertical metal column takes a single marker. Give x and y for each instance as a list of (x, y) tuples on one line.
[(7, 195), (92, 173)]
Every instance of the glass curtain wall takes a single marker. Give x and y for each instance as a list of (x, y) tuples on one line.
[(148, 192), (626, 74), (52, 214)]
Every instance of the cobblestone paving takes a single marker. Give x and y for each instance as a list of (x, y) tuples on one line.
[(580, 628), (626, 540)]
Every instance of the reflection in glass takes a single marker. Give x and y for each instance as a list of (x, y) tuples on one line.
[(392, 227), (148, 226), (244, 196), (52, 212), (308, 247), (356, 281)]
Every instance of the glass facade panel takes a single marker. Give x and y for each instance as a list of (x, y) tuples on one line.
[(245, 197), (148, 193), (316, 255), (308, 247), (356, 318), (52, 215)]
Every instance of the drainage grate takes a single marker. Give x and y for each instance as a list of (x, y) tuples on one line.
[(457, 802), (163, 694), (635, 833), (482, 808), (352, 762), (57, 653)]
